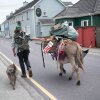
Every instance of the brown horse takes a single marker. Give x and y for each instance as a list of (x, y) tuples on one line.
[(72, 54)]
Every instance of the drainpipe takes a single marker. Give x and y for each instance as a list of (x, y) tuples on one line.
[(8, 29), (91, 20), (34, 22)]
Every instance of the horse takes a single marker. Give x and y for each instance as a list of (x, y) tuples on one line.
[(72, 54)]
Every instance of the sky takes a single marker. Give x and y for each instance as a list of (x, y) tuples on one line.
[(8, 6)]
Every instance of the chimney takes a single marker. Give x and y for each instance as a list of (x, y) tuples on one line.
[(11, 13), (25, 3), (7, 16)]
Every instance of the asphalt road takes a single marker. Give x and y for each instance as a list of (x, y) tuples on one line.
[(61, 87)]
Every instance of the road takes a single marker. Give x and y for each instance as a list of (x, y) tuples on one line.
[(61, 87)]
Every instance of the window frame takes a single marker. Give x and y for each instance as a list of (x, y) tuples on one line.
[(71, 23), (83, 21), (27, 15)]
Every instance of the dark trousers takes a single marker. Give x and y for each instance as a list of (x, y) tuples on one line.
[(23, 60)]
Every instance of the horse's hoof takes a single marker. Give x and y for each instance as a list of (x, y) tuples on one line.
[(64, 71), (60, 74), (70, 78), (78, 83)]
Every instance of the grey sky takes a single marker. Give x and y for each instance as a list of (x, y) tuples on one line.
[(6, 6)]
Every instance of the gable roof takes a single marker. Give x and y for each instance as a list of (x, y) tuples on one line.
[(97, 7), (86, 6), (67, 3), (81, 8), (23, 8), (68, 12), (29, 5)]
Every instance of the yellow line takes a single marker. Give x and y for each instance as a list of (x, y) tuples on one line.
[(34, 82), (43, 89)]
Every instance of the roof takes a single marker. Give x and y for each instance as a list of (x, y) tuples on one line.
[(81, 8), (68, 12), (67, 3), (46, 21), (29, 5)]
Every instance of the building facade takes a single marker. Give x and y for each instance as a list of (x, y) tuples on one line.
[(83, 13), (84, 16), (31, 16)]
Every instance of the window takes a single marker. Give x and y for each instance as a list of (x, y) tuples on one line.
[(84, 23), (70, 23), (27, 30), (44, 13), (27, 14), (22, 18)]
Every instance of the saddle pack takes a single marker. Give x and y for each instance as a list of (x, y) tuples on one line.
[(21, 39)]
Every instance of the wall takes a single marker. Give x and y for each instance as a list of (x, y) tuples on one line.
[(96, 20), (76, 21), (87, 36), (98, 37), (52, 8), (45, 30)]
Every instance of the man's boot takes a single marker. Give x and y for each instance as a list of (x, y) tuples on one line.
[(30, 72)]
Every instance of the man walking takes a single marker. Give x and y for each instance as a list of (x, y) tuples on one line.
[(21, 49)]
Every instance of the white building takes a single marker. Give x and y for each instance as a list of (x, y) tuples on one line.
[(36, 17)]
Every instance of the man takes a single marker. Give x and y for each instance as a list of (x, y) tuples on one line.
[(21, 49)]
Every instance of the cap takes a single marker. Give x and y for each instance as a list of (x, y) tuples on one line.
[(18, 27)]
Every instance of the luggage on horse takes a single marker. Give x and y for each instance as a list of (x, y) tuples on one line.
[(48, 47), (65, 30), (53, 47)]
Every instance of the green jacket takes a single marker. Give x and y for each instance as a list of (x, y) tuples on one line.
[(20, 41)]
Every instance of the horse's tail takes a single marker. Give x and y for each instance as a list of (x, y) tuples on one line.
[(79, 56)]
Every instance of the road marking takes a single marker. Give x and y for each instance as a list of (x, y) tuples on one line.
[(32, 80), (96, 54)]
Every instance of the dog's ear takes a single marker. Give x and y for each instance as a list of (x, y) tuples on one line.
[(14, 66)]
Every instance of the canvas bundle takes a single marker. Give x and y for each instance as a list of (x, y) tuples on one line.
[(53, 48), (56, 27)]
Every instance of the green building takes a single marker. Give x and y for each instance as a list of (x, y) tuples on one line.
[(83, 13)]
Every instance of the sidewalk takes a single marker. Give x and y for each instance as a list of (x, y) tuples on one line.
[(93, 51), (23, 91)]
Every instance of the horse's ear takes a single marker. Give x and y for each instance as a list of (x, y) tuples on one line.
[(52, 37)]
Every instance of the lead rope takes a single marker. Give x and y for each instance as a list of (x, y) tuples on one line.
[(60, 45)]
